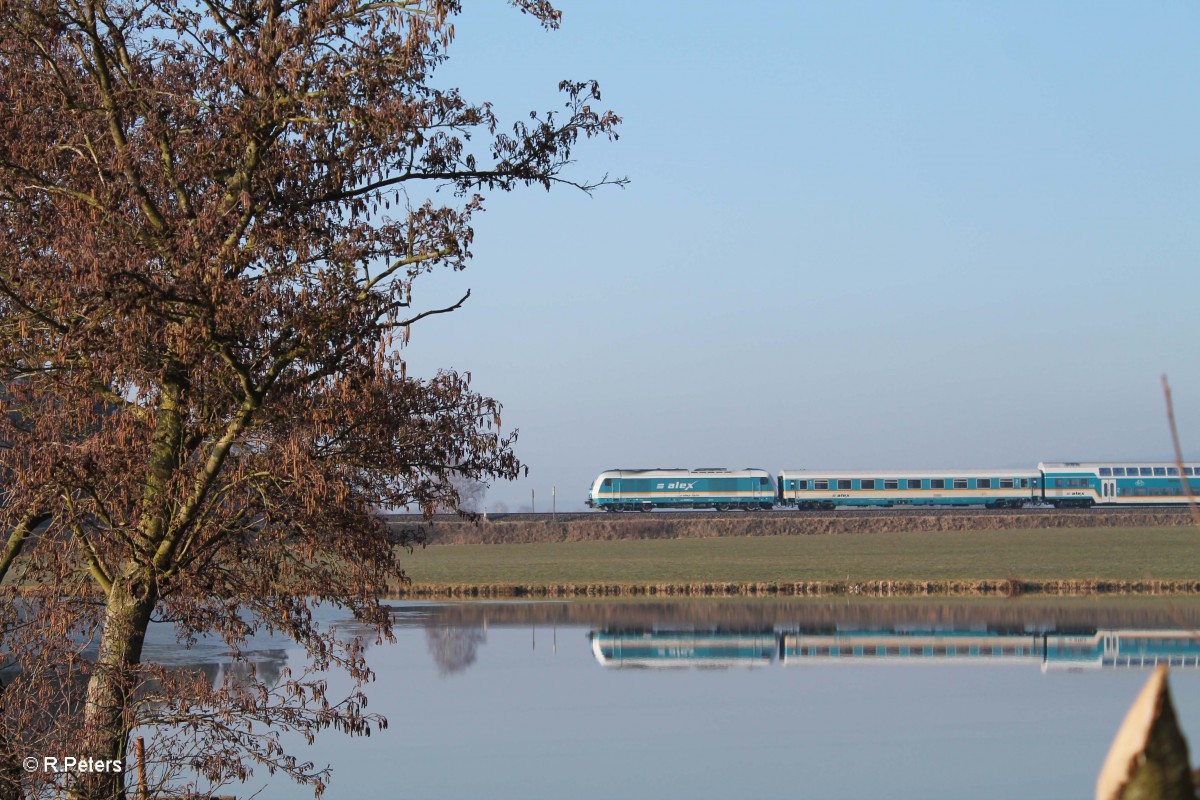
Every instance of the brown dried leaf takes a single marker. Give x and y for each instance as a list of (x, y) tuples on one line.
[(1148, 759)]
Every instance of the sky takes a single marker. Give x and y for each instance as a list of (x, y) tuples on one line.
[(856, 235)]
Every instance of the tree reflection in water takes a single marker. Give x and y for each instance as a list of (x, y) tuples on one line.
[(454, 649)]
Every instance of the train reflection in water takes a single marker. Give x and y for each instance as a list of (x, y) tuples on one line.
[(692, 648), (1052, 649)]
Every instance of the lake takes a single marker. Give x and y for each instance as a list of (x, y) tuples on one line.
[(799, 698)]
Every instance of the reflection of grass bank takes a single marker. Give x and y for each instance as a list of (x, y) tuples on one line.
[(1077, 560), (859, 612)]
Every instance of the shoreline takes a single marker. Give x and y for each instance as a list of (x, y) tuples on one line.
[(870, 588)]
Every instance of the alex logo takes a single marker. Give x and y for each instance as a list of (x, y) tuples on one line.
[(681, 486)]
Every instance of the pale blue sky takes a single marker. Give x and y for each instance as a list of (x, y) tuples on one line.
[(878, 235)]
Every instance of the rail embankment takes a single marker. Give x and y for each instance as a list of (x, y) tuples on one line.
[(530, 529)]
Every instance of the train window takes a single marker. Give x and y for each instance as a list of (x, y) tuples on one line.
[(983, 483), (607, 482), (1147, 472), (1118, 472), (843, 484), (1058, 483), (960, 483), (937, 483), (914, 483), (868, 484), (1106, 472), (764, 481), (1159, 472), (821, 484), (1173, 472), (1007, 483), (891, 484)]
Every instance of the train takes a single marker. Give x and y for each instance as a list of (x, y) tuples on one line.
[(1064, 484), (720, 648)]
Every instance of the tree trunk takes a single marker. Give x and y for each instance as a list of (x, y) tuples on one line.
[(109, 709), (11, 773)]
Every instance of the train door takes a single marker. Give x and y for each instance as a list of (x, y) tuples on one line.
[(611, 489), (1108, 491)]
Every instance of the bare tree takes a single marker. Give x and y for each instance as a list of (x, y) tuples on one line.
[(470, 493), (212, 216)]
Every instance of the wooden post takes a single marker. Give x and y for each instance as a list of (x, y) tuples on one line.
[(139, 747)]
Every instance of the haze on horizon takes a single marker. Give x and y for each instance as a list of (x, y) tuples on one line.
[(867, 235)]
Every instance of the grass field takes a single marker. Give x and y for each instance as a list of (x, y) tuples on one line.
[(1032, 555)]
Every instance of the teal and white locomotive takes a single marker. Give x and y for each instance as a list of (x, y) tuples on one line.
[(648, 489)]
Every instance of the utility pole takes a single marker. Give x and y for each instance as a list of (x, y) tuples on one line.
[(532, 504)]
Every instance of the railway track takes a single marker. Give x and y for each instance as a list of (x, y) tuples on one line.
[(1033, 513)]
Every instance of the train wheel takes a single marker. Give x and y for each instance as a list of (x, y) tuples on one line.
[(722, 506), (646, 507)]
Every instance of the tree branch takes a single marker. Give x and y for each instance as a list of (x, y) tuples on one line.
[(95, 565), (404, 262), (17, 538), (431, 312)]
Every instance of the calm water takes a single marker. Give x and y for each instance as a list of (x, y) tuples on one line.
[(724, 699)]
